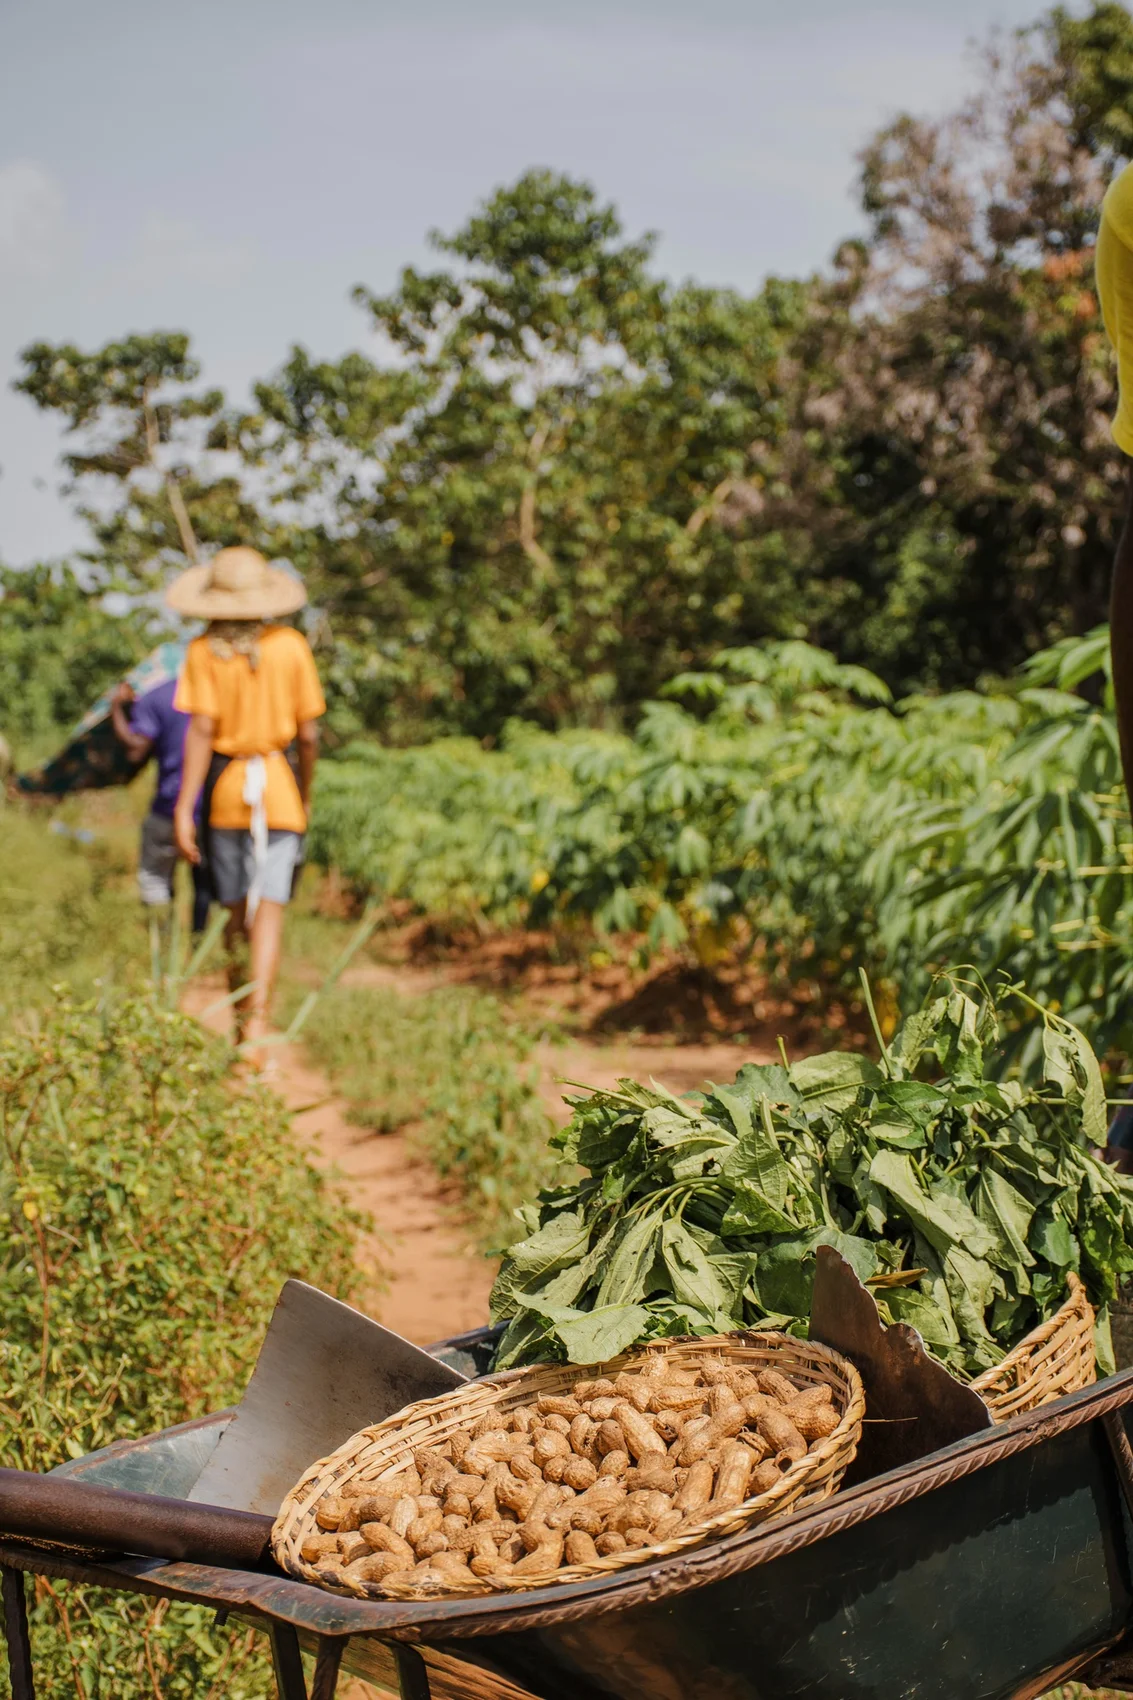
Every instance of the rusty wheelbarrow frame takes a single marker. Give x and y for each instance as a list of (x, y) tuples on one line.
[(989, 1570)]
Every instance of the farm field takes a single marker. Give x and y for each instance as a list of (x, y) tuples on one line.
[(389, 1129), (720, 847)]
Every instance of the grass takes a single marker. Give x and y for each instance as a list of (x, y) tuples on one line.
[(69, 908), (148, 1216), (452, 1070), (452, 1067)]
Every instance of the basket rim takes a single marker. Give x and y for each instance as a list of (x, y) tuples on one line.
[(808, 1480), (1075, 1308)]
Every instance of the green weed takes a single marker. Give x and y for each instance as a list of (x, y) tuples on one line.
[(451, 1069), (148, 1216)]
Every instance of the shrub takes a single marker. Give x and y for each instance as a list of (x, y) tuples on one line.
[(148, 1216), (70, 911)]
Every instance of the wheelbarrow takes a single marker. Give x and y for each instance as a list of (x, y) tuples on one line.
[(991, 1569)]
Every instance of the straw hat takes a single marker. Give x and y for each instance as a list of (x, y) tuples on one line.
[(237, 584)]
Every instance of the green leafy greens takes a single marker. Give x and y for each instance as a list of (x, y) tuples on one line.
[(703, 1214)]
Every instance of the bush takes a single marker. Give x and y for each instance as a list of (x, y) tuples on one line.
[(148, 1216), (59, 649), (70, 911)]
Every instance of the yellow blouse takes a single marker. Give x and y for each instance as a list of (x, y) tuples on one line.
[(1114, 272), (257, 712)]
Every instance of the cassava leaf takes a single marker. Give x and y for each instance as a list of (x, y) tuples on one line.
[(834, 1079), (592, 1337), (750, 1213), (1003, 1209), (630, 1262), (703, 1215), (945, 1222), (756, 1162), (694, 1280), (906, 1304), (1050, 1238)]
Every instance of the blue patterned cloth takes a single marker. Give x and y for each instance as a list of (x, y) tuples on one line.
[(93, 757)]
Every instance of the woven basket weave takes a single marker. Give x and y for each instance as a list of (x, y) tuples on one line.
[(1057, 1357), (387, 1448)]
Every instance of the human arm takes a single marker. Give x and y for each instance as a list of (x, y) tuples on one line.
[(194, 772), (307, 739), (309, 705), (1121, 633), (137, 746)]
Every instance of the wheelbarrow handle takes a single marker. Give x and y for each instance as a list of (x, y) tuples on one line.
[(88, 1514)]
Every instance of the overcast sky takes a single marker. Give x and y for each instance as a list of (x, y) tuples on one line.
[(233, 167)]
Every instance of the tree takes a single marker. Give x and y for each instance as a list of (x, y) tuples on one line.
[(508, 517), (947, 482), (144, 436), (566, 479)]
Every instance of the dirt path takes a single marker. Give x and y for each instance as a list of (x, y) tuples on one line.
[(680, 1067), (435, 1285)]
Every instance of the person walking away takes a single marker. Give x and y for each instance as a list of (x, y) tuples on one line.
[(156, 728), (1114, 276), (252, 690)]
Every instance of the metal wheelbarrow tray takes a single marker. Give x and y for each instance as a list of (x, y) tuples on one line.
[(988, 1570)]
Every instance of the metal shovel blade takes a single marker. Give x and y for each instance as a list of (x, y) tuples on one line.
[(324, 1372), (913, 1405)]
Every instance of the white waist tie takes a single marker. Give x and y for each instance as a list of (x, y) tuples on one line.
[(255, 787)]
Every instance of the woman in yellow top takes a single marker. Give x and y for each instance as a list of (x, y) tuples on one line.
[(1114, 269), (252, 691), (1114, 272)]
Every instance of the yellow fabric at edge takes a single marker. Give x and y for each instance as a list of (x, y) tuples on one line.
[(1114, 273), (256, 713)]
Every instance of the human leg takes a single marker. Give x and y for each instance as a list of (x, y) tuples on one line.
[(236, 964), (267, 943), (157, 858), (202, 897), (232, 863), (278, 875)]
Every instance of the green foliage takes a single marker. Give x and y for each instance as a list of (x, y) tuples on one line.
[(1098, 52), (567, 477), (59, 649), (69, 912), (144, 439), (791, 807), (700, 1216), (510, 519), (960, 507), (148, 1216), (449, 1068)]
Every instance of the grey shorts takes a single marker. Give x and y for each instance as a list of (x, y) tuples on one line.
[(156, 861), (232, 863)]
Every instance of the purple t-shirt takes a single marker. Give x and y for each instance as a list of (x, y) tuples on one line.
[(153, 716)]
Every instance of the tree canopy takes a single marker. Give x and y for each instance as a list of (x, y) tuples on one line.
[(562, 478)]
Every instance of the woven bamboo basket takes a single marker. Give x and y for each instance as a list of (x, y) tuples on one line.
[(382, 1451), (1057, 1357)]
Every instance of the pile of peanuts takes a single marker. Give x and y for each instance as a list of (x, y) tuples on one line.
[(612, 1466)]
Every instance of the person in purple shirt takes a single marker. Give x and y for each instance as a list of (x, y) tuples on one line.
[(153, 727)]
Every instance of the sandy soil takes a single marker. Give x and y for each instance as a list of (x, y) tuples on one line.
[(424, 1280), (682, 1068), (434, 1284)]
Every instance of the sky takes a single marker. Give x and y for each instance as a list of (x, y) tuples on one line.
[(233, 167)]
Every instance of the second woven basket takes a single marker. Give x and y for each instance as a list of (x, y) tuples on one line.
[(1055, 1358)]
